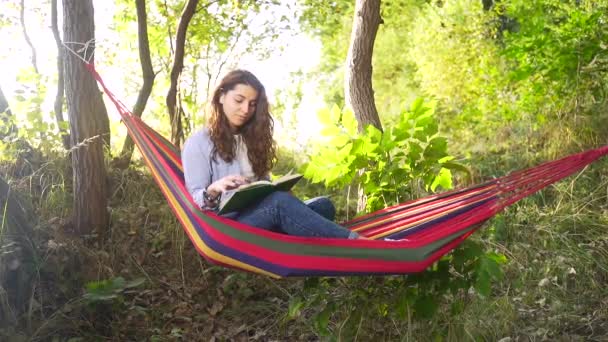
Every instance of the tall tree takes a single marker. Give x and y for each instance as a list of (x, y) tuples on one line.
[(89, 124), (175, 110), (358, 91), (148, 76)]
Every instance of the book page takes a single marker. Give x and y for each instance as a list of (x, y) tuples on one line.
[(253, 184), (286, 178)]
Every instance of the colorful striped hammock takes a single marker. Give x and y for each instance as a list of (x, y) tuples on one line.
[(425, 229)]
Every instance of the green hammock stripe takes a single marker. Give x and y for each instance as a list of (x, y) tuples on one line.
[(285, 247)]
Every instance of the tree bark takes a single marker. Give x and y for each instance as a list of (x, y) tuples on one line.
[(148, 76), (358, 91), (58, 106), (174, 108), (89, 125)]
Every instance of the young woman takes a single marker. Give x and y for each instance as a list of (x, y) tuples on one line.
[(235, 148)]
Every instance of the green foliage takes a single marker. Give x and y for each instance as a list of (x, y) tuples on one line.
[(29, 121), (457, 60), (331, 23), (399, 298), (560, 55), (109, 290), (409, 151), (394, 72)]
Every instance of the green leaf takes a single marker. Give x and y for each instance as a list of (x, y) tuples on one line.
[(482, 284), (373, 133), (349, 121), (340, 140), (436, 149), (457, 167), (498, 258), (443, 179), (357, 146), (489, 265), (295, 306), (321, 320), (417, 107), (331, 131), (415, 151)]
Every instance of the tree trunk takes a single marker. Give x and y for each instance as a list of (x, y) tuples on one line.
[(65, 137), (148, 76), (89, 124), (16, 253), (358, 91), (26, 36), (175, 110)]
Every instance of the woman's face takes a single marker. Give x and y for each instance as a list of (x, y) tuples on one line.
[(239, 105)]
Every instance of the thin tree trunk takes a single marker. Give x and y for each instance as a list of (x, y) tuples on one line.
[(26, 36), (65, 136), (89, 125), (175, 110), (148, 76), (358, 90)]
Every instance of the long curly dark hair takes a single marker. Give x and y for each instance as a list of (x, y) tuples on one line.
[(256, 133)]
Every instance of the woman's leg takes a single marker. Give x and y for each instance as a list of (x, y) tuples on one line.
[(281, 210), (323, 206)]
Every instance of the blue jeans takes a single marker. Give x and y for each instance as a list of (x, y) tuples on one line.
[(283, 212)]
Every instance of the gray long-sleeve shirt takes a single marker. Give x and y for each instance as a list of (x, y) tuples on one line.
[(200, 169)]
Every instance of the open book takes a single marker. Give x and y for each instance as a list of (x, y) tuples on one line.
[(250, 193)]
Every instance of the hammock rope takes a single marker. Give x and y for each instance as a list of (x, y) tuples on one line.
[(426, 229)]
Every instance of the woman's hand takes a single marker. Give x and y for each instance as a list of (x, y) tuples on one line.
[(226, 183)]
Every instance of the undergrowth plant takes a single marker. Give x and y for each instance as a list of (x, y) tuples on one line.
[(394, 163), (29, 122)]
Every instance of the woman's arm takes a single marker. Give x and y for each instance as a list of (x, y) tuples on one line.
[(197, 173), (195, 160)]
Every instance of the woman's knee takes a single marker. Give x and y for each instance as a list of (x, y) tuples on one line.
[(323, 206)]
